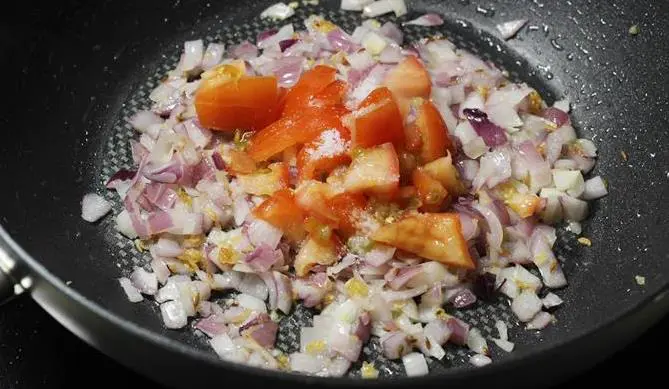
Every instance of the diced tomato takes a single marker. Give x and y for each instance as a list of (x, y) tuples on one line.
[(314, 252), (292, 130), (435, 236), (320, 156), (228, 100), (374, 171), (347, 207), (241, 163), (446, 173), (430, 191), (433, 133), (281, 211), (378, 120), (266, 183), (310, 84), (312, 197), (407, 80)]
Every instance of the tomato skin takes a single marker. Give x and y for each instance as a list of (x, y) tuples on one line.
[(281, 211), (248, 103), (312, 83), (292, 130), (435, 236), (434, 134), (378, 120), (347, 208)]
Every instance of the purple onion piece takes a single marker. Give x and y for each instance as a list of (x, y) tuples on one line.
[(266, 34), (484, 286), (492, 134), (555, 115), (463, 298), (286, 43)]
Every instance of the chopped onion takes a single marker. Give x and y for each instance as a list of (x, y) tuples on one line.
[(428, 20), (253, 285), (94, 207), (502, 329), (594, 188), (540, 321), (509, 29), (145, 282), (415, 364), (213, 55), (504, 344), (476, 342), (174, 314), (526, 305), (382, 7), (392, 32), (192, 58), (260, 232), (130, 290), (492, 134), (354, 5), (551, 300), (574, 209), (479, 360), (278, 11), (251, 302)]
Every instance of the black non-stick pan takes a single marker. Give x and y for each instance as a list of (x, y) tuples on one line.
[(71, 82)]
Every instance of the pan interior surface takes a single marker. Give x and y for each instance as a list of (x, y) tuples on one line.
[(74, 135)]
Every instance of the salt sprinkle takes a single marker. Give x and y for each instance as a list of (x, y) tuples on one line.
[(331, 144)]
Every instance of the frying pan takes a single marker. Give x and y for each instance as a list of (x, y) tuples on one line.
[(75, 71)]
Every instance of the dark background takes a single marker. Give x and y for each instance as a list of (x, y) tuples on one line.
[(37, 352)]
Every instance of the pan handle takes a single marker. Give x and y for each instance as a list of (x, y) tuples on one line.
[(10, 284)]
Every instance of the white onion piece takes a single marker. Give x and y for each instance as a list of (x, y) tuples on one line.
[(174, 314), (278, 11), (415, 364), (253, 285), (259, 232), (379, 254), (540, 321), (476, 342), (142, 120), (167, 248), (161, 270), (573, 208), (354, 5), (509, 29), (427, 20), (551, 300), (594, 188), (479, 360), (213, 55), (563, 105), (241, 210), (251, 302), (502, 330), (192, 58), (382, 7), (130, 291), (393, 295), (305, 363), (570, 181), (526, 305), (504, 344), (145, 282), (94, 207)]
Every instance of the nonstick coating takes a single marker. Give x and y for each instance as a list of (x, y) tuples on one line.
[(76, 70)]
